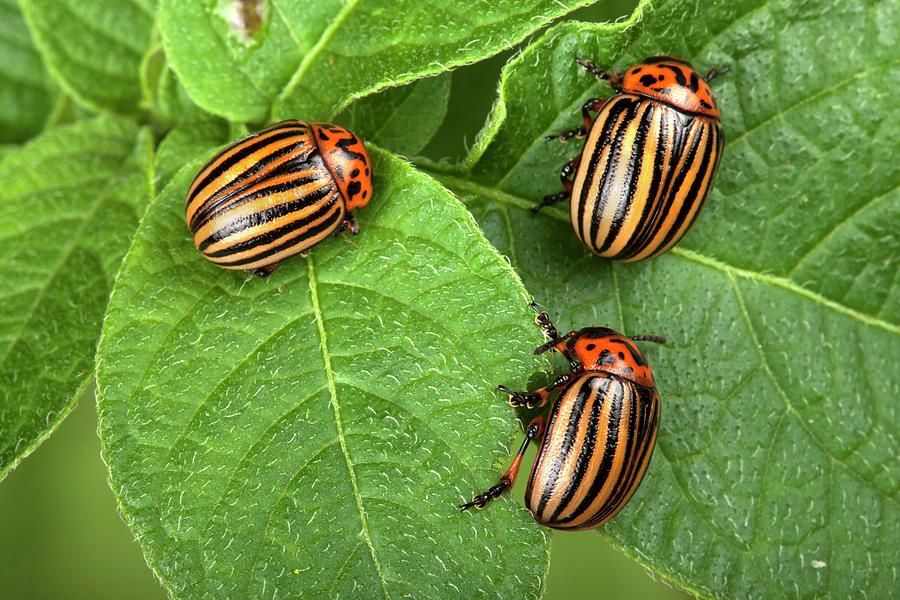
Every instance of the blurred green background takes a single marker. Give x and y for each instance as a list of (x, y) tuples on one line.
[(62, 536)]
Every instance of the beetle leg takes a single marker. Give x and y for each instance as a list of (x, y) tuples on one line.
[(613, 78), (538, 397), (565, 136), (264, 272), (715, 72), (566, 176), (349, 224), (592, 105), (556, 342), (535, 429)]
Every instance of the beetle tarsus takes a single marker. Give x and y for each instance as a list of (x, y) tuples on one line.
[(550, 200), (565, 136), (263, 272), (350, 225), (535, 429), (518, 399), (481, 499)]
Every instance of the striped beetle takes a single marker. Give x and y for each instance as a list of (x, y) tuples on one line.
[(597, 438), (276, 193), (649, 160)]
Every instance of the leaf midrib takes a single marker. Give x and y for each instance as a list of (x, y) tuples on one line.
[(339, 425), (454, 182)]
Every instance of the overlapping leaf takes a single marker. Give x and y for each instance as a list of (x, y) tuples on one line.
[(778, 461), (94, 49), (27, 94), (402, 119), (69, 203), (311, 433), (309, 59)]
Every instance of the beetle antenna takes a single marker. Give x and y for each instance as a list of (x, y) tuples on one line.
[(656, 339), (713, 73)]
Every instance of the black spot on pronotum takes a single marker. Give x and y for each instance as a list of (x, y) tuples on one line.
[(367, 171), (631, 349), (705, 104), (647, 80), (638, 70), (365, 194), (344, 145), (354, 173), (353, 188), (679, 73), (323, 136), (621, 355), (695, 82), (590, 346)]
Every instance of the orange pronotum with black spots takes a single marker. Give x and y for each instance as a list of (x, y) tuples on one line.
[(597, 437), (649, 160), (276, 193)]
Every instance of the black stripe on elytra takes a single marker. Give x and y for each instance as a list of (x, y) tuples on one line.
[(244, 150), (331, 222), (245, 180), (607, 138), (587, 449), (712, 174), (219, 209), (673, 185), (266, 216), (699, 187), (645, 433), (298, 126), (614, 164), (630, 462), (584, 393), (659, 175), (635, 167), (610, 448), (616, 107)]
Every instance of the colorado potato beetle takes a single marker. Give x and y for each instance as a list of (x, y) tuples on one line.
[(649, 160), (276, 193), (596, 439)]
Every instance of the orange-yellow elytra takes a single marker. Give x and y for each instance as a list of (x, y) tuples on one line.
[(597, 437), (649, 160), (276, 193)]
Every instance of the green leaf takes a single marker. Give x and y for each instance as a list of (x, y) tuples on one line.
[(310, 59), (27, 94), (69, 203), (402, 119), (188, 140), (94, 49), (312, 433), (777, 467)]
